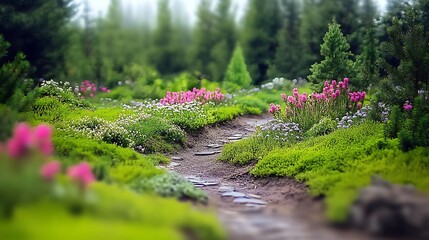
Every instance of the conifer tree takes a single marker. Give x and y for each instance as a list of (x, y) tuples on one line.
[(367, 67), (262, 23), (409, 44), (237, 76), (287, 62), (336, 63)]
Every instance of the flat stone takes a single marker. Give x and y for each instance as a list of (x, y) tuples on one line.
[(244, 200), (204, 153), (234, 194), (252, 205), (199, 185), (210, 183), (214, 146), (174, 164), (226, 189), (235, 138), (238, 135), (176, 158), (253, 196)]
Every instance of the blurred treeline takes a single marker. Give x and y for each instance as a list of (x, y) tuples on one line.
[(280, 38)]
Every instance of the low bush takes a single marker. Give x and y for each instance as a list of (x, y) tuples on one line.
[(323, 127)]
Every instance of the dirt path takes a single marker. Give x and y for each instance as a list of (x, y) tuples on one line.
[(279, 208)]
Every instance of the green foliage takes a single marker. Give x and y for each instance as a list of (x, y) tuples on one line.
[(237, 77), (323, 153), (337, 63), (409, 45), (11, 73), (49, 109), (224, 113), (171, 185), (261, 24), (126, 214), (339, 164), (44, 50), (7, 121), (323, 127), (366, 63), (287, 62), (394, 123)]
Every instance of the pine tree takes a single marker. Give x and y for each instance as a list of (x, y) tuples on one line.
[(203, 39), (237, 76), (11, 73), (262, 23), (287, 62), (368, 70), (337, 63), (38, 29), (225, 39), (409, 44)]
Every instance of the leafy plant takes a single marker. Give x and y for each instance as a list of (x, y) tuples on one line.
[(237, 76)]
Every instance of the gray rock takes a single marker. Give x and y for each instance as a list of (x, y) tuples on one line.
[(253, 196), (173, 164), (176, 158), (250, 201), (226, 189), (234, 138), (214, 146), (204, 153), (234, 194), (210, 183)]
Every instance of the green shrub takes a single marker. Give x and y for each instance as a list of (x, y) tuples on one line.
[(237, 77), (170, 185), (49, 109), (326, 152), (323, 127), (8, 119)]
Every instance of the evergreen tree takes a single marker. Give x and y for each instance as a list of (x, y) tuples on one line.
[(224, 35), (38, 29), (337, 63), (237, 77), (262, 23), (408, 43), (203, 39), (11, 73), (368, 71), (287, 62)]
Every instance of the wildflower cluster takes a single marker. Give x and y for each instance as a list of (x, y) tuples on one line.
[(88, 89), (53, 88), (100, 129), (280, 131), (335, 100), (352, 119), (199, 95)]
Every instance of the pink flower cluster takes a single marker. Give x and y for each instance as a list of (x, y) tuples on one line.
[(274, 108), (88, 89), (80, 173), (199, 95), (407, 106), (25, 138), (357, 96)]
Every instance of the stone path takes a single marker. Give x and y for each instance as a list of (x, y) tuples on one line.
[(249, 208)]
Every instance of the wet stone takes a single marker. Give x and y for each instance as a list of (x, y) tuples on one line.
[(253, 196), (174, 164), (176, 158), (226, 189), (210, 183), (243, 200), (238, 135), (199, 185), (251, 205), (234, 138), (234, 194), (214, 146), (204, 153)]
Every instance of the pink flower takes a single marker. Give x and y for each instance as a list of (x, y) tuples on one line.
[(103, 89), (91, 95), (407, 106), (42, 138), (346, 82), (284, 97), (359, 105), (295, 92), (108, 90), (50, 169), (326, 84), (291, 99), (20, 142), (81, 173)]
